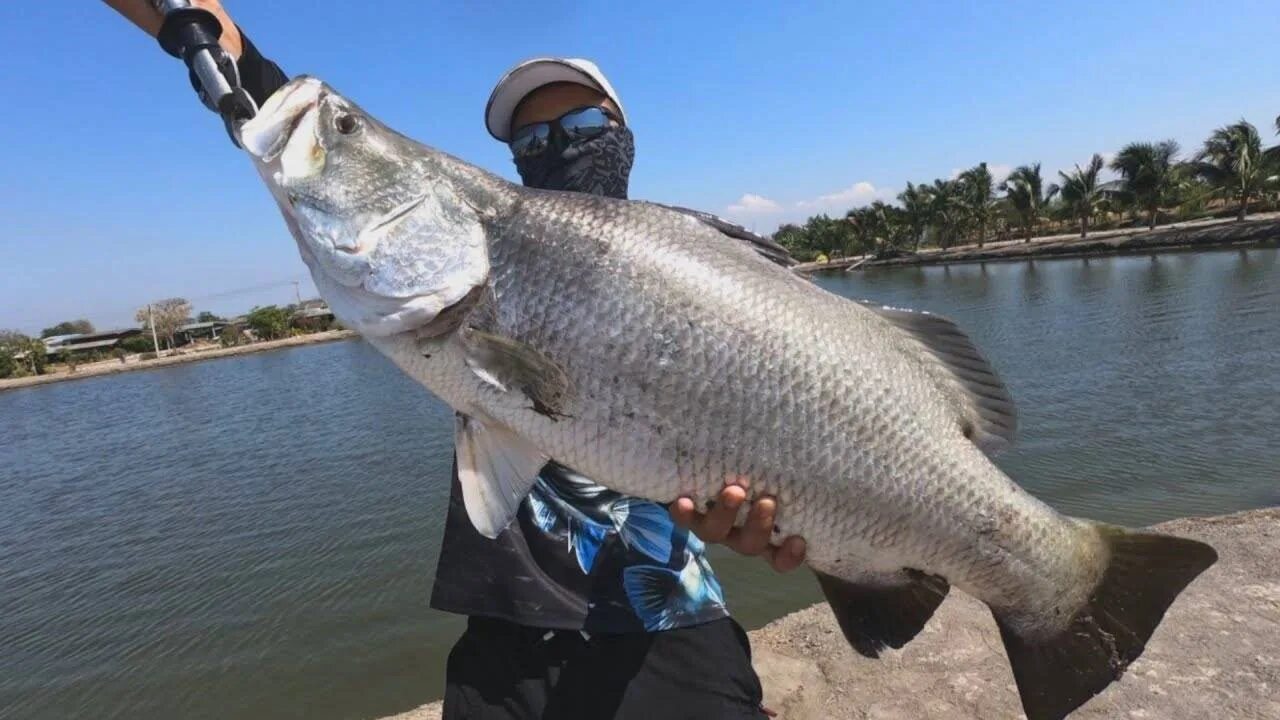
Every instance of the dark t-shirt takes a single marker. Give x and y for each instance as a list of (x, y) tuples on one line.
[(578, 556)]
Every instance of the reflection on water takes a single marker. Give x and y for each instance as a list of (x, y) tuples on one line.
[(255, 537)]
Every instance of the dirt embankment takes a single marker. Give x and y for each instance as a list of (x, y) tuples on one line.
[(1216, 655), (1178, 236), (111, 367)]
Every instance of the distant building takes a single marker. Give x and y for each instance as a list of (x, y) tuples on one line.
[(313, 315), (82, 343), (191, 332), (1112, 190)]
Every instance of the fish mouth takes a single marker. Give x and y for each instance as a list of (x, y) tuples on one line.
[(270, 132)]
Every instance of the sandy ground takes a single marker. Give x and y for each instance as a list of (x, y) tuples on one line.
[(1216, 655), (111, 367), (1197, 233)]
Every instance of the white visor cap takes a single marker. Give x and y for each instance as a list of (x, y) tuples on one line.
[(533, 74)]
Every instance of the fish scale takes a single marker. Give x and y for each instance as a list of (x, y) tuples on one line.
[(650, 352)]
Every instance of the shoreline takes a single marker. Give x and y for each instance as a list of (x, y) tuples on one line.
[(1193, 235), (1214, 655), (114, 367)]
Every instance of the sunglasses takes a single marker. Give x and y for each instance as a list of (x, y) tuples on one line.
[(577, 124)]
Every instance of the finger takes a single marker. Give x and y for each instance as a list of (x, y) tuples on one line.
[(788, 556), (714, 525), (684, 512), (753, 537)]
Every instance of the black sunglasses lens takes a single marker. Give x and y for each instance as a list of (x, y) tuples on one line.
[(530, 140), (585, 123)]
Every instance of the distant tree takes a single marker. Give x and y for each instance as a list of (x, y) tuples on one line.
[(168, 315), (1024, 189), (1080, 192), (879, 228), (793, 238), (25, 354), (947, 211), (916, 212), (1233, 162), (269, 323), (206, 316), (1151, 175), (828, 235), (977, 192), (9, 348), (69, 327)]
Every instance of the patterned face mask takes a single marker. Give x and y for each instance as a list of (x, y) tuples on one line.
[(599, 165)]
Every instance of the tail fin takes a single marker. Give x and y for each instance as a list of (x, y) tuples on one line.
[(885, 610), (1058, 673)]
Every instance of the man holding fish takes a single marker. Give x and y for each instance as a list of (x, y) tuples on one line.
[(655, 356), (571, 610)]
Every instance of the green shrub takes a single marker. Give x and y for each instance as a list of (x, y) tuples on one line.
[(270, 322), (232, 336), (137, 344), (8, 365)]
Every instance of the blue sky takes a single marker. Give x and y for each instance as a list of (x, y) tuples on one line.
[(118, 187)]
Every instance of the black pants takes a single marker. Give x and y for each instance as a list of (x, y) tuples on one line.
[(503, 671)]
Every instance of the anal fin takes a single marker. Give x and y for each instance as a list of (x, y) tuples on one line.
[(884, 611)]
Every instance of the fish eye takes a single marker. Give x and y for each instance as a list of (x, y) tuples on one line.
[(346, 123)]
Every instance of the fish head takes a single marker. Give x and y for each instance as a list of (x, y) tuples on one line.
[(389, 236)]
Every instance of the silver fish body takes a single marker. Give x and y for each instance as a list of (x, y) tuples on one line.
[(648, 351)]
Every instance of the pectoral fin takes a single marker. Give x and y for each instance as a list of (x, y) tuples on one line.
[(496, 469), (510, 366)]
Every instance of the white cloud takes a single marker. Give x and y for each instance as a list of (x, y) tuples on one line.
[(999, 171), (752, 204), (1106, 175), (856, 195), (763, 214)]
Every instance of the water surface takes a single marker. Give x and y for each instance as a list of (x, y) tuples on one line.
[(255, 537)]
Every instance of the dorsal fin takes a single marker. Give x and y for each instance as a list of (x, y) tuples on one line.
[(988, 416)]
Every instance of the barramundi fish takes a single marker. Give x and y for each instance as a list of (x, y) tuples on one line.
[(650, 352)]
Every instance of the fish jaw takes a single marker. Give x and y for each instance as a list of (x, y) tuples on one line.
[(265, 136)]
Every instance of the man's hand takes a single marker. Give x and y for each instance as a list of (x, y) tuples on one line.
[(716, 526)]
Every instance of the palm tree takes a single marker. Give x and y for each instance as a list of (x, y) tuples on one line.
[(1024, 188), (1272, 154), (1232, 161), (978, 194), (946, 211), (878, 227), (1151, 175), (1080, 192), (916, 212)]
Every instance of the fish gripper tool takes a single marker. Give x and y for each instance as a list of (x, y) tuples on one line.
[(191, 33)]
